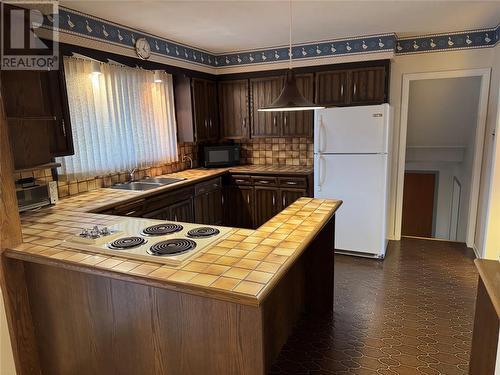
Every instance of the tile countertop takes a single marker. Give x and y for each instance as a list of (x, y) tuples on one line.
[(242, 267), (103, 198)]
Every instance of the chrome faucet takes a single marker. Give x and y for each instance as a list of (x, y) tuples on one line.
[(131, 175), (187, 158)]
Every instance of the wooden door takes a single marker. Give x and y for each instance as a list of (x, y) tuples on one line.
[(200, 109), (182, 211), (288, 196), (332, 88), (368, 85), (264, 91), (418, 204), (266, 204), (300, 123), (212, 112), (208, 208), (234, 109), (238, 206)]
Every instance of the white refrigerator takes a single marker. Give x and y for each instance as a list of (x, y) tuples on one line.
[(351, 164)]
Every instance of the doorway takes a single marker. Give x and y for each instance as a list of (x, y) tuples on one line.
[(443, 118), (419, 204)]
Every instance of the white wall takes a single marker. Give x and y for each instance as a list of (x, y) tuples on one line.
[(491, 221), (432, 62), (442, 117)]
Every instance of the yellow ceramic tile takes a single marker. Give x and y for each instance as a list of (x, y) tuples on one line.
[(110, 263), (237, 253), (207, 258), (216, 269), (144, 269), (268, 267), (195, 266), (247, 263), (237, 273), (256, 255), (259, 277), (263, 248), (93, 259), (225, 283), (227, 261), (162, 273), (248, 287), (227, 243), (126, 266), (273, 258), (182, 276), (245, 246), (203, 279), (217, 250)]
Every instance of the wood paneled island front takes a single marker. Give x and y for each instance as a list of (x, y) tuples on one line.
[(227, 310)]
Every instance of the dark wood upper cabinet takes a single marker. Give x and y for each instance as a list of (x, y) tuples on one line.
[(36, 105), (368, 85), (332, 88), (280, 124), (234, 109), (360, 86), (263, 92), (300, 123), (204, 94)]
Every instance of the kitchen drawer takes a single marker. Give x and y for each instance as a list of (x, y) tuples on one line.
[(166, 199), (208, 186), (264, 180), (239, 179), (134, 208), (293, 182)]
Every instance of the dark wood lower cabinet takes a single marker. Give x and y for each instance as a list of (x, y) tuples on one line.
[(239, 206), (288, 196), (182, 211), (267, 204), (208, 208)]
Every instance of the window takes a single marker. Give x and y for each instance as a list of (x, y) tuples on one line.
[(121, 117)]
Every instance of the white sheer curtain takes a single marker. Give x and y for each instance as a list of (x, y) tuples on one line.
[(121, 119)]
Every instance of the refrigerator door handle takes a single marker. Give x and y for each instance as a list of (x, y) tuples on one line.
[(322, 132), (321, 175)]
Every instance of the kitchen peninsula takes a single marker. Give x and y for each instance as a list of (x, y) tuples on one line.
[(226, 310)]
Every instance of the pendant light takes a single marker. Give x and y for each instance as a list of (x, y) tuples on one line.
[(290, 98)]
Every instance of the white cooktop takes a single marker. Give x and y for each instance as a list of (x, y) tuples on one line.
[(132, 227)]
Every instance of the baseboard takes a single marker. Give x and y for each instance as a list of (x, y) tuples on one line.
[(476, 252)]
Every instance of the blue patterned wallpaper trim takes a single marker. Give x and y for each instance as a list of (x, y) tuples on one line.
[(450, 41), (73, 22)]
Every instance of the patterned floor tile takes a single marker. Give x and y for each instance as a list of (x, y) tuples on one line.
[(410, 314)]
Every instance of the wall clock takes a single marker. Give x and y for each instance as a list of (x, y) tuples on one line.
[(142, 48)]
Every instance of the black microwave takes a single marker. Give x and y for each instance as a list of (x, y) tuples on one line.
[(222, 156)]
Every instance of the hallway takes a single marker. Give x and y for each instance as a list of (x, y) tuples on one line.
[(410, 314)]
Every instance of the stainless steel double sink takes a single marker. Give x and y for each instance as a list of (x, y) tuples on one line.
[(146, 183)]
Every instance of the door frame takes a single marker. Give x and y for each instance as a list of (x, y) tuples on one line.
[(478, 142)]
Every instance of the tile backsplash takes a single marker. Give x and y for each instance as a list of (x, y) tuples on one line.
[(72, 187), (257, 151), (278, 151)]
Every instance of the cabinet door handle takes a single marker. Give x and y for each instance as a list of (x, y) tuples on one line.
[(245, 122), (263, 182), (239, 180), (342, 90), (248, 199), (274, 120), (222, 199), (175, 217), (206, 123), (291, 183), (63, 127), (130, 213), (210, 123), (274, 200), (354, 91), (284, 201), (284, 119)]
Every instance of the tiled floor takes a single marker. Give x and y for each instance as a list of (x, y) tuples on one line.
[(410, 314)]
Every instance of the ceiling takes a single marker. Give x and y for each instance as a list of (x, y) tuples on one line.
[(226, 26)]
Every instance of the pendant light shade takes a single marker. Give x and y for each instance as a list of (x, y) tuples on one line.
[(290, 98)]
